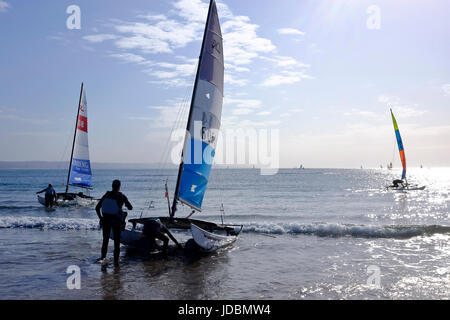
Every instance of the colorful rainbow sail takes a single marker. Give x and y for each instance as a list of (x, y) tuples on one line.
[(400, 146)]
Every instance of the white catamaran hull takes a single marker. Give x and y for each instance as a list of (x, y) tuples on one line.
[(131, 238), (210, 242), (412, 188), (85, 202), (41, 200)]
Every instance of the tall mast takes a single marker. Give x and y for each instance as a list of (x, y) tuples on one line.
[(74, 137), (180, 170)]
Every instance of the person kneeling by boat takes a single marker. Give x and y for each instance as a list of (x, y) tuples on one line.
[(109, 211), (50, 196), (397, 183), (154, 229)]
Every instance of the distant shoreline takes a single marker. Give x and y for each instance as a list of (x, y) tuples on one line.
[(57, 165), (63, 165)]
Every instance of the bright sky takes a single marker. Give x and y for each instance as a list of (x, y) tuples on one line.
[(320, 71)]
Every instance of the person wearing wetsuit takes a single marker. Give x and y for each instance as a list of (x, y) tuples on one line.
[(397, 183), (50, 196), (154, 229), (109, 211)]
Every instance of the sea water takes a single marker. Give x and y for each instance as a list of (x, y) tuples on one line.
[(308, 234)]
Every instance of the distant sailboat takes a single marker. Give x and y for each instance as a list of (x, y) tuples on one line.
[(301, 166), (402, 158), (79, 173), (389, 166), (192, 180)]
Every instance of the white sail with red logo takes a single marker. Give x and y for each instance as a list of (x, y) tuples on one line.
[(80, 173)]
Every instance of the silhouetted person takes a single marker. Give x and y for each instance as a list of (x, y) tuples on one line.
[(154, 229), (109, 211), (397, 183), (50, 196)]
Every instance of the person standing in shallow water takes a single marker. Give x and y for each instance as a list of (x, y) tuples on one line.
[(50, 196), (109, 211)]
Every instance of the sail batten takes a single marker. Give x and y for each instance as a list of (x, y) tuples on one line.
[(401, 149), (204, 118), (80, 166)]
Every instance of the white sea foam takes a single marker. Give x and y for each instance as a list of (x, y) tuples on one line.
[(342, 230), (48, 223), (318, 229)]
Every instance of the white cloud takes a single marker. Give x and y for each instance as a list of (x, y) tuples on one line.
[(388, 99), (168, 32), (399, 108), (235, 122), (446, 89), (289, 62), (409, 112), (233, 67), (128, 57), (230, 79), (264, 113), (291, 71), (285, 61), (242, 42), (285, 77), (168, 114), (290, 31), (175, 82), (243, 111), (243, 103), (242, 106), (151, 17), (144, 44), (261, 124), (361, 113), (223, 10), (192, 10), (97, 38), (165, 33), (172, 74), (3, 6), (173, 70), (161, 37)]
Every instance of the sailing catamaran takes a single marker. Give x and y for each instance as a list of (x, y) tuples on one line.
[(80, 173), (200, 141), (401, 149)]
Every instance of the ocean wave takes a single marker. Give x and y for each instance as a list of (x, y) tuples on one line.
[(48, 223), (318, 229), (346, 230)]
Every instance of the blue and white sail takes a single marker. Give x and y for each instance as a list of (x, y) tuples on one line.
[(80, 166), (204, 117)]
